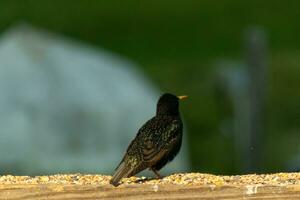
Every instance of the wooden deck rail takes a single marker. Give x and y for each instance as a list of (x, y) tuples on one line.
[(177, 186)]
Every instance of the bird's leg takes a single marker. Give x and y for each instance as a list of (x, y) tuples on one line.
[(158, 176)]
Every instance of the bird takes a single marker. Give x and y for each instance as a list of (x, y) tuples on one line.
[(157, 142)]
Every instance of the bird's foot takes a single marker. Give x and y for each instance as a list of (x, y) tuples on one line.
[(158, 176)]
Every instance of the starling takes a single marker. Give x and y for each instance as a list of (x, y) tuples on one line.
[(157, 142)]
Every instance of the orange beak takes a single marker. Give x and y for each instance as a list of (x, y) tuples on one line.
[(182, 97)]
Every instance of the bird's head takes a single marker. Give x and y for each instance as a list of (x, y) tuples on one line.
[(168, 104)]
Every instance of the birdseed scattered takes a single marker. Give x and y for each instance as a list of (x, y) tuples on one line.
[(279, 179)]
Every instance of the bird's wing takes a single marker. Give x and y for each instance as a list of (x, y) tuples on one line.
[(150, 145), (156, 143), (153, 145), (133, 145)]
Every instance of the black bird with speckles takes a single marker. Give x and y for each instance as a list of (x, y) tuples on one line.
[(157, 142)]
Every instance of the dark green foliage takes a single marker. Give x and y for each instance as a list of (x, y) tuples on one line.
[(176, 44)]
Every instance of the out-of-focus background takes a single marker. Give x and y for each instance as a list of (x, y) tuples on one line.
[(78, 78)]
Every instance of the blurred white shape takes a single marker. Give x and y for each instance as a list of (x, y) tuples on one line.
[(68, 107)]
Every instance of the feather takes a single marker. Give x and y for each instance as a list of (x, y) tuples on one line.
[(156, 143), (123, 170)]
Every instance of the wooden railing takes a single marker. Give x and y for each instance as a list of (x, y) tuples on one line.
[(177, 186)]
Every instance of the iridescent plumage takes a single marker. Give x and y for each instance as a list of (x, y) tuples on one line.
[(157, 142)]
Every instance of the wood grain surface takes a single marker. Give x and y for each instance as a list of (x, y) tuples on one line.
[(72, 187)]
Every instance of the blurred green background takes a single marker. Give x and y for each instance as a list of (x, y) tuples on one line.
[(177, 43)]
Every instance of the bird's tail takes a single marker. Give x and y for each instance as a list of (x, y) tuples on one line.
[(122, 171)]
